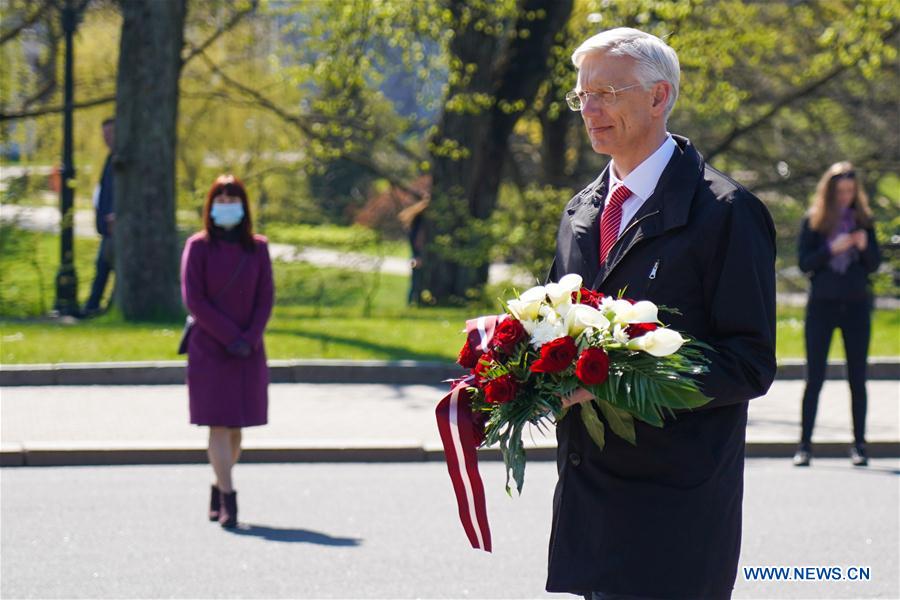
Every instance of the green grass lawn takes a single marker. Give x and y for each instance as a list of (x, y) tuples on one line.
[(319, 313)]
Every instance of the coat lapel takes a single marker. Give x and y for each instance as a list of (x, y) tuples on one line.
[(584, 217), (667, 208)]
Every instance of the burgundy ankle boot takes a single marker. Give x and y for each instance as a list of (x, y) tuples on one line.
[(228, 511), (215, 502)]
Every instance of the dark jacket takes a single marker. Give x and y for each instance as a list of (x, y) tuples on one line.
[(105, 205), (663, 518), (828, 284)]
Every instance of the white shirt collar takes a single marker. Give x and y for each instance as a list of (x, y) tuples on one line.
[(643, 179)]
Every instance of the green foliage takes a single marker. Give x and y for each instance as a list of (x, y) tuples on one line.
[(593, 424), (301, 92), (348, 239), (524, 228), (28, 267), (620, 421)]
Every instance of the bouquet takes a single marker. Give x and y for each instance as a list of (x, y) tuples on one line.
[(556, 338)]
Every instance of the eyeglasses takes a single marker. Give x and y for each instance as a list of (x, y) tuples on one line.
[(844, 175), (608, 96)]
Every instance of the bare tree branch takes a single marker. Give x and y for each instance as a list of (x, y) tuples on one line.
[(226, 27), (46, 110), (786, 100), (303, 124), (27, 22)]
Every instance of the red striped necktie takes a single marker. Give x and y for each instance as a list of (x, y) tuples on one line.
[(611, 220)]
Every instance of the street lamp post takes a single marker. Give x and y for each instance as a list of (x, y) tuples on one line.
[(66, 278)]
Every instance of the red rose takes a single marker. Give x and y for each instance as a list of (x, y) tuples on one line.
[(589, 297), (593, 366), (468, 357), (638, 329), (556, 356), (507, 334), (500, 390)]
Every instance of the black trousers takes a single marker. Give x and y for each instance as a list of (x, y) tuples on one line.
[(104, 268), (855, 322)]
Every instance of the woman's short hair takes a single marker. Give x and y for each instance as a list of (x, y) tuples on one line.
[(656, 60)]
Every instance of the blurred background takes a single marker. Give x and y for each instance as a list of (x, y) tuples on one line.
[(339, 115)]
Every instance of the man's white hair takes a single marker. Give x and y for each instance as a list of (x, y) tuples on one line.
[(656, 61)]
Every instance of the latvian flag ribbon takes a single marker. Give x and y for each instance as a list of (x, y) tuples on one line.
[(461, 436)]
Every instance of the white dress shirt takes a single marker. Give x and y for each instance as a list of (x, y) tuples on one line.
[(641, 181)]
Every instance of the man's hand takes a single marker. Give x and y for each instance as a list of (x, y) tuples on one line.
[(110, 222), (577, 397), (842, 243), (860, 239)]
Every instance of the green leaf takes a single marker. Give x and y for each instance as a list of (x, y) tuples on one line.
[(620, 421), (593, 424)]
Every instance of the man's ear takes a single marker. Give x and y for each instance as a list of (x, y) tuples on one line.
[(661, 91)]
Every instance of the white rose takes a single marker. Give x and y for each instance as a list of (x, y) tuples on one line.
[(660, 342), (582, 316), (548, 313), (547, 331)]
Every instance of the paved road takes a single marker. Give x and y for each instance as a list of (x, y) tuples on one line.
[(389, 531)]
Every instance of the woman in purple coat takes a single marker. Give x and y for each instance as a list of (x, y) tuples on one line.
[(226, 284)]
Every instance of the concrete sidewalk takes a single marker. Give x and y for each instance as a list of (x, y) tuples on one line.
[(395, 372), (119, 424)]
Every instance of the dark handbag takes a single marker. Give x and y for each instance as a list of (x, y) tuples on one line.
[(189, 321)]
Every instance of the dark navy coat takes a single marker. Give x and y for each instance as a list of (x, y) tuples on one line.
[(663, 519)]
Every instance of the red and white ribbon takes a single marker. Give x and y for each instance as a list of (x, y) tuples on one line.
[(461, 436)]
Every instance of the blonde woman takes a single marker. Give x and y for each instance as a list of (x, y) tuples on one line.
[(837, 249)]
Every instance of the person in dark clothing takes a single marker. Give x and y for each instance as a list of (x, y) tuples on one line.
[(838, 250), (105, 220), (662, 518), (411, 219)]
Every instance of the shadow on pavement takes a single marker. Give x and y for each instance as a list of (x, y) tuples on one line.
[(279, 534), (871, 469)]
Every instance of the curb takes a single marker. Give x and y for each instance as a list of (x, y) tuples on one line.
[(404, 372), (57, 455)]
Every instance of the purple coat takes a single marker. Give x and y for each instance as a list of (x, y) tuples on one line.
[(226, 390)]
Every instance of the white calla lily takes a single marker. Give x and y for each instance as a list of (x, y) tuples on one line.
[(660, 342), (528, 303), (639, 312), (582, 316), (558, 295), (571, 282)]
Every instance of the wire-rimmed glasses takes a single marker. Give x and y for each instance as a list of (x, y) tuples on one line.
[(608, 95)]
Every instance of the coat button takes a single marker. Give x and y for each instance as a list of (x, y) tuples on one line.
[(575, 459)]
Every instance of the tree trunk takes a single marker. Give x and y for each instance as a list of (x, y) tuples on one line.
[(146, 110), (500, 71)]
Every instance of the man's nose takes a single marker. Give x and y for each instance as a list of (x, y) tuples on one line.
[(591, 106)]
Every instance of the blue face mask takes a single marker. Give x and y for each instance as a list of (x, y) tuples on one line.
[(226, 216)]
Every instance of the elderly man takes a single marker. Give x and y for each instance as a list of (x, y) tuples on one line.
[(661, 519)]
